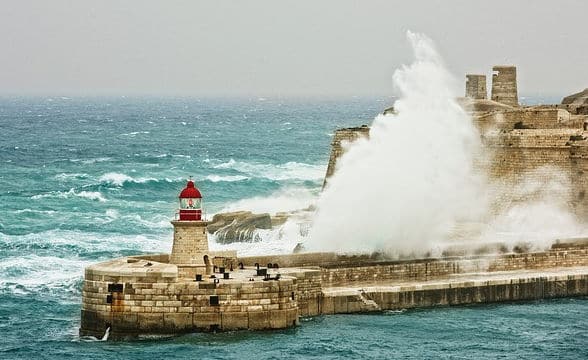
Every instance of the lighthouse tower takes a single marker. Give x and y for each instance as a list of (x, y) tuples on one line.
[(190, 248)]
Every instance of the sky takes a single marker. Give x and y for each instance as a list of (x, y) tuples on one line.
[(280, 48)]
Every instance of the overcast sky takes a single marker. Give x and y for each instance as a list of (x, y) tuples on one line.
[(280, 48)]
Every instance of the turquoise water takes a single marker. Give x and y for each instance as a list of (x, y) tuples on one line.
[(84, 180)]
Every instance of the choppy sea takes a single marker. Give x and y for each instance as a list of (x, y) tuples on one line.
[(88, 179)]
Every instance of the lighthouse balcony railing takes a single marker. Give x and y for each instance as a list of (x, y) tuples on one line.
[(202, 218)]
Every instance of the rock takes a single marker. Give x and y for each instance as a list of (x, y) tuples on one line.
[(580, 98), (238, 226), (298, 249)]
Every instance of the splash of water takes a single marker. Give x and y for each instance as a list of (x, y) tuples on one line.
[(405, 187)]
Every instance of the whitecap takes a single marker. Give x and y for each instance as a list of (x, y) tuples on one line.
[(284, 200), (280, 172), (229, 178), (22, 211), (134, 133), (97, 160), (115, 178), (91, 195), (69, 176), (118, 179)]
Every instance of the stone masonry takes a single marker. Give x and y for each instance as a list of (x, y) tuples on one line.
[(341, 138), (190, 244), (476, 87), (504, 85)]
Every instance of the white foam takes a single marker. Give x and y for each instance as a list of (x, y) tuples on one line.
[(281, 240), (284, 200), (59, 274), (115, 178), (35, 211), (69, 176), (134, 133), (28, 273), (404, 187), (118, 179), (280, 172), (228, 178), (90, 195)]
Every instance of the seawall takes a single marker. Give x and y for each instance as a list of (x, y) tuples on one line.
[(147, 295)]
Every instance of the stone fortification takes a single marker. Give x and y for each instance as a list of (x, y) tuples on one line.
[(135, 296), (525, 144), (504, 85), (476, 87), (340, 139)]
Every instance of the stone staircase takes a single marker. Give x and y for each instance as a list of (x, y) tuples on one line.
[(367, 304)]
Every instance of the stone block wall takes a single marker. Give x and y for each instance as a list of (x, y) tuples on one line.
[(504, 85), (429, 269), (309, 291), (579, 171), (168, 307), (476, 87), (528, 118), (342, 136), (460, 293), (190, 243)]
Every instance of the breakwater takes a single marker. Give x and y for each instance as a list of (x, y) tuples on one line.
[(147, 295)]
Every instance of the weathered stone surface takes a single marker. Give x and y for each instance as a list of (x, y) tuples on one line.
[(504, 85), (580, 98), (476, 86), (238, 226), (341, 138)]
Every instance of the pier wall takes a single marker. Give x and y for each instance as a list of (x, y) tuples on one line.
[(133, 304), (455, 293)]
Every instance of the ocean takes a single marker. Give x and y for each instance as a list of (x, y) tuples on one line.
[(84, 180)]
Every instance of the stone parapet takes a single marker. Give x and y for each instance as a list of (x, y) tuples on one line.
[(430, 269), (484, 288)]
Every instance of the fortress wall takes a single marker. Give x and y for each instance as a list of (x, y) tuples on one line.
[(476, 87), (518, 157), (309, 291), (504, 85), (341, 136), (530, 165), (579, 155), (165, 306), (291, 260), (526, 287), (428, 269), (528, 118)]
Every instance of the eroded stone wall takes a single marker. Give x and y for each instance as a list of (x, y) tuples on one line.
[(341, 137), (504, 85), (458, 293), (154, 305), (476, 87), (429, 269)]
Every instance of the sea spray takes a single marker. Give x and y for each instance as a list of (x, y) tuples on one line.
[(405, 188)]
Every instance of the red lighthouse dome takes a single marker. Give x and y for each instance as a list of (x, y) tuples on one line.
[(190, 203)]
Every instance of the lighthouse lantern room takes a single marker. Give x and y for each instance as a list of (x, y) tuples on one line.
[(190, 203)]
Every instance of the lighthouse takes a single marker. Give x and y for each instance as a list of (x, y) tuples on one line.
[(190, 247)]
